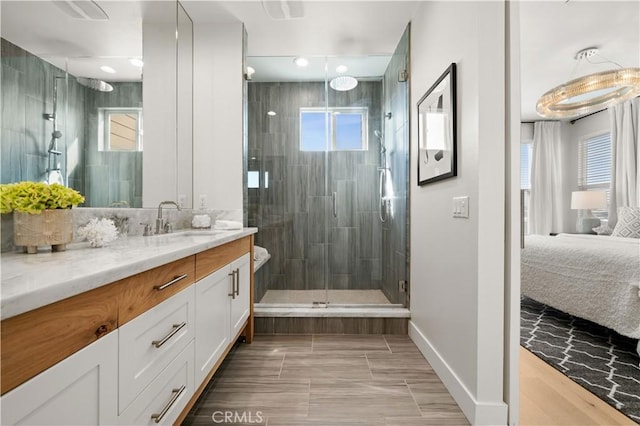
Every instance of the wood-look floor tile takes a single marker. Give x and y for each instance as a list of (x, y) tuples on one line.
[(323, 365), (427, 421), (260, 385), (360, 343), (208, 420), (255, 364), (433, 399), (280, 343), (399, 344), (268, 396), (361, 398), (399, 366), (326, 421)]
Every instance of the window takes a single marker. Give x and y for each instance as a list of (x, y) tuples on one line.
[(120, 129), (347, 127), (594, 166)]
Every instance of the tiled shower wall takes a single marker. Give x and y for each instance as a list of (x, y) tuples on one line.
[(396, 130), (111, 176), (27, 93), (308, 245)]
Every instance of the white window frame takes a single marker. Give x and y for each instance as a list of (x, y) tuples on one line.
[(333, 112), (582, 185), (104, 128)]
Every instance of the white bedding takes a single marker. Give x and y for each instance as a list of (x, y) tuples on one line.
[(589, 276)]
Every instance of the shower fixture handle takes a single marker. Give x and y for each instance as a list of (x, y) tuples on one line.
[(334, 197)]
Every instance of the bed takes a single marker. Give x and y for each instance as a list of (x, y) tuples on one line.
[(589, 276)]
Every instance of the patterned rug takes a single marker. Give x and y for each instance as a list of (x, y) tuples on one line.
[(595, 357)]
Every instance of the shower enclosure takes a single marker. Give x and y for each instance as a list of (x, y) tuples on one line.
[(327, 179)]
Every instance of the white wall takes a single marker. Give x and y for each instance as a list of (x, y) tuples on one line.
[(218, 80), (159, 114), (457, 265)]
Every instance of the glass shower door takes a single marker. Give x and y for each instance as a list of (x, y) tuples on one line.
[(354, 231)]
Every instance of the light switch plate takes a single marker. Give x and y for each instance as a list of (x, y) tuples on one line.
[(461, 207)]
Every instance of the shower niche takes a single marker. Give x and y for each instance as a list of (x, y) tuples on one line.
[(74, 107)]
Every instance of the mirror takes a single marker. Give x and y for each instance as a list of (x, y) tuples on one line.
[(74, 107)]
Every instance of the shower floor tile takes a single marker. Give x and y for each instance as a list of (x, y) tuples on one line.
[(346, 297)]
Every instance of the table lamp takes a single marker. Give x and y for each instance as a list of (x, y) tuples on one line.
[(584, 201)]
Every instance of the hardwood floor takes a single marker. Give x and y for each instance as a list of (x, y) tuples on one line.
[(548, 397), (299, 380)]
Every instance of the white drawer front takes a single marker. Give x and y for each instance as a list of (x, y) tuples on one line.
[(166, 396), (151, 341)]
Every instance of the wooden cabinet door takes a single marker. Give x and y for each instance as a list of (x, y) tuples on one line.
[(80, 390), (212, 320), (241, 305)]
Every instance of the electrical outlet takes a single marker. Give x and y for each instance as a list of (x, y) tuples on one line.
[(182, 200), (203, 201)]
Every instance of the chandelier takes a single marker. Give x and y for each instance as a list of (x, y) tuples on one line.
[(590, 93)]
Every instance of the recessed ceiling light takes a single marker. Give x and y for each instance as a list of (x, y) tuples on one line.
[(136, 62), (342, 69), (108, 69), (301, 62), (343, 83), (271, 113)]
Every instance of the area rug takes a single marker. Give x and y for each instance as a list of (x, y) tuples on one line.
[(595, 357)]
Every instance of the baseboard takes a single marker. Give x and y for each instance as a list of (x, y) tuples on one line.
[(478, 413)]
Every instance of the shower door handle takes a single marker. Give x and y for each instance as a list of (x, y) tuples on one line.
[(334, 196)]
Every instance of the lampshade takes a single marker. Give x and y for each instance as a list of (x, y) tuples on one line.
[(584, 200)]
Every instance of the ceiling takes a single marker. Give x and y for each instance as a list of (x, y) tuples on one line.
[(551, 33)]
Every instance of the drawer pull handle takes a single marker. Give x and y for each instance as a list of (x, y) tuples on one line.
[(233, 284), (172, 282), (176, 328), (237, 272), (175, 394)]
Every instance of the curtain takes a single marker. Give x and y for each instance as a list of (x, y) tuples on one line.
[(625, 173), (546, 203)]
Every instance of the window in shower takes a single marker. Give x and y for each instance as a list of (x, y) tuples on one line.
[(347, 127), (120, 129)]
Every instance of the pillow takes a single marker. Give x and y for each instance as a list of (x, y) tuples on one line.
[(628, 225), (602, 230)]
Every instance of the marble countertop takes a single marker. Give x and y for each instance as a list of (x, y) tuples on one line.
[(30, 281)]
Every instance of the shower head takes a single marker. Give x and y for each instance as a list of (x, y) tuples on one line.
[(57, 134), (95, 84)]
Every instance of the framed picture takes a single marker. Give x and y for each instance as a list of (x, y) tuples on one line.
[(437, 130)]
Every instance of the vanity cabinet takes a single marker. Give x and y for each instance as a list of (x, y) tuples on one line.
[(80, 390), (150, 342), (222, 308), (136, 351), (166, 396)]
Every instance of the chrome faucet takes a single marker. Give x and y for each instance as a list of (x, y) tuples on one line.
[(161, 226)]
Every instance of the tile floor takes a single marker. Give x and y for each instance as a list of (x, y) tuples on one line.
[(299, 380), (334, 296)]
